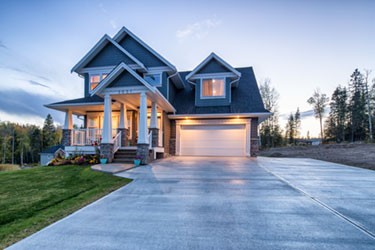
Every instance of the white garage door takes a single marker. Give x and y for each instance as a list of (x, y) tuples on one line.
[(209, 140)]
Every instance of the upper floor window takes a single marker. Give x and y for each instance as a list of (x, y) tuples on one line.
[(95, 79), (213, 88), (153, 79)]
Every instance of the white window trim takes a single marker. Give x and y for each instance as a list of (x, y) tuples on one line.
[(154, 73), (99, 72), (213, 97)]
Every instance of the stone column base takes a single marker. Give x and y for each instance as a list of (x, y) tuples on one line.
[(66, 137), (254, 147), (155, 137), (124, 136), (172, 146), (144, 152), (106, 149)]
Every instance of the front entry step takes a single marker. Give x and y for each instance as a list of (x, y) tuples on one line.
[(125, 156)]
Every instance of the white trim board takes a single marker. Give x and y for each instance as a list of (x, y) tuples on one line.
[(208, 59)]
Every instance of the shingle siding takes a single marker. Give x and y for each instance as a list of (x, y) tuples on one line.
[(172, 91), (213, 66), (199, 102), (87, 84), (125, 79), (109, 56), (140, 52)]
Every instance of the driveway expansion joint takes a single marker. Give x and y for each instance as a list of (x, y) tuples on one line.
[(322, 204)]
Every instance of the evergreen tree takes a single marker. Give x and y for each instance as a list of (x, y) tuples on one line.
[(290, 130), (357, 107), (35, 143), (337, 120), (297, 124), (49, 130)]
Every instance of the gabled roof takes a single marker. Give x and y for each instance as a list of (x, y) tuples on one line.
[(124, 31), (213, 56), (115, 73), (98, 47)]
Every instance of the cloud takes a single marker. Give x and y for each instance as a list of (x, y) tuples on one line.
[(38, 84), (198, 29), (21, 103)]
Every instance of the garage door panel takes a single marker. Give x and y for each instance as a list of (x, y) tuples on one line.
[(209, 140)]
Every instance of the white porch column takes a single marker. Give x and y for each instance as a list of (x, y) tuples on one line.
[(68, 120), (107, 123), (142, 127), (154, 116), (123, 117)]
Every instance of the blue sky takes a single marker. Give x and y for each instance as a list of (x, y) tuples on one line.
[(299, 45)]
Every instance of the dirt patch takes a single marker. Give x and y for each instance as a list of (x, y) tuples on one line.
[(358, 155)]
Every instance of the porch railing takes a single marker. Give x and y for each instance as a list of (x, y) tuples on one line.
[(150, 140), (117, 142), (89, 136)]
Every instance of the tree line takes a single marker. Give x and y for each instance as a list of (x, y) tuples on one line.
[(350, 117), (23, 143)]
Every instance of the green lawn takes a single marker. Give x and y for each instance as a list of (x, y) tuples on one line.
[(31, 199)]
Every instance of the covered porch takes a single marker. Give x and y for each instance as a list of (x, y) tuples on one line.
[(115, 121)]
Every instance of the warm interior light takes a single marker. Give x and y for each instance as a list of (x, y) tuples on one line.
[(238, 116), (186, 118)]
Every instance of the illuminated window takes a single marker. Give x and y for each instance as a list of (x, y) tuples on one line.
[(95, 79), (213, 87)]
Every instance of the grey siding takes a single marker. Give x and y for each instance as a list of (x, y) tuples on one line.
[(109, 56), (213, 66), (140, 52), (166, 133), (87, 84), (212, 101), (125, 79), (164, 86)]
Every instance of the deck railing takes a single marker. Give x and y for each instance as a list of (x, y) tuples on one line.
[(88, 136), (117, 142)]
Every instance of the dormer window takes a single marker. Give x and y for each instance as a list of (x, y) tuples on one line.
[(213, 88), (95, 79), (153, 79)]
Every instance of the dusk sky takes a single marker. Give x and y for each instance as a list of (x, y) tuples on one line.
[(299, 45)]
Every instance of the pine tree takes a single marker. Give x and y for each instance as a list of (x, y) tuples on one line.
[(297, 124), (357, 107), (337, 120), (48, 132), (290, 130)]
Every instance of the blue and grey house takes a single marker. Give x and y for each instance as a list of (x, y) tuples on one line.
[(137, 102)]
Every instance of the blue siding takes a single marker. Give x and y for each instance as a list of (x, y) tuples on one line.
[(87, 83), (164, 87), (214, 101), (125, 79), (172, 91), (213, 66), (140, 52), (109, 56)]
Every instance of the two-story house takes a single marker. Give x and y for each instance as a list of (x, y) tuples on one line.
[(136, 100)]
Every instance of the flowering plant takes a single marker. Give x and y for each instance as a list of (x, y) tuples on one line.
[(138, 157)]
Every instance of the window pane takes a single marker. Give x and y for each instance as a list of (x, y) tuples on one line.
[(153, 79), (213, 87), (93, 85), (104, 76), (95, 79)]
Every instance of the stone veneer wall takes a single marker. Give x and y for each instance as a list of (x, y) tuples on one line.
[(106, 149), (154, 137), (172, 140), (66, 137), (124, 136), (144, 152), (166, 134), (254, 138)]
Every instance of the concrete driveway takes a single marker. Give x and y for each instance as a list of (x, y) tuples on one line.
[(225, 203)]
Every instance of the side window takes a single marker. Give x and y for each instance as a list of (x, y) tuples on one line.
[(95, 79), (213, 88)]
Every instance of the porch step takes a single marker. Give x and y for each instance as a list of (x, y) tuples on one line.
[(125, 156)]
